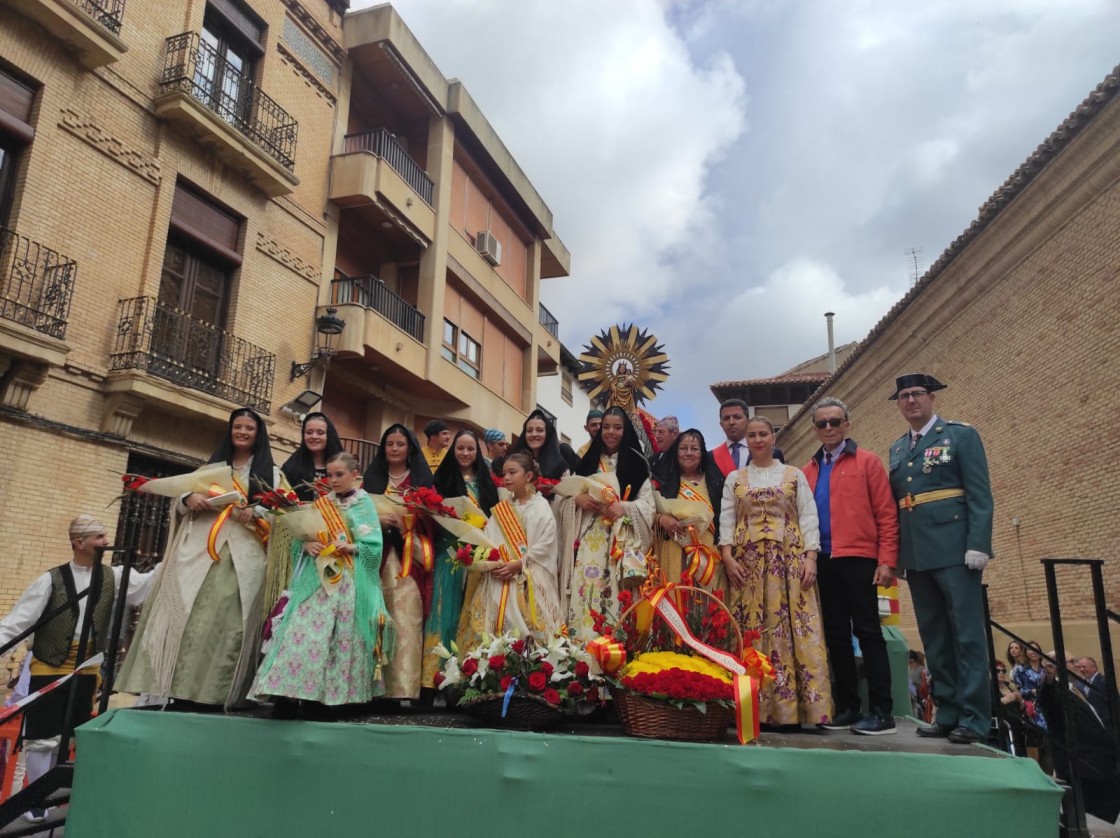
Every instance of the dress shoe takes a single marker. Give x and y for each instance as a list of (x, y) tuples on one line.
[(964, 736), (934, 731), (841, 721)]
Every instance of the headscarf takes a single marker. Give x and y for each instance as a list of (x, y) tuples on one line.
[(632, 468), (261, 472), (376, 479), (713, 477), (449, 480), (551, 459), (492, 435), (300, 467), (84, 526)]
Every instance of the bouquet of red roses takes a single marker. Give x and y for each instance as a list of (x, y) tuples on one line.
[(424, 499)]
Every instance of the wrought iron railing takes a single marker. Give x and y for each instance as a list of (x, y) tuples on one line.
[(371, 292), (36, 284), (364, 450), (106, 12), (549, 321), (169, 343), (197, 69), (385, 146)]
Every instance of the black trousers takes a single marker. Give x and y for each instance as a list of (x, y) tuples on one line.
[(850, 605), (45, 717)]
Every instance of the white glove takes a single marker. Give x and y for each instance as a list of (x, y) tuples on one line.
[(975, 560)]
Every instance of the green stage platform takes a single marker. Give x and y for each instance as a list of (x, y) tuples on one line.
[(146, 773)]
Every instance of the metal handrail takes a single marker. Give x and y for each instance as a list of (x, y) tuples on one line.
[(36, 284), (106, 12), (549, 321), (385, 145), (364, 450), (370, 292)]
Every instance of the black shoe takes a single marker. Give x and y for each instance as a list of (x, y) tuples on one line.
[(841, 721), (875, 723), (964, 736), (934, 731)]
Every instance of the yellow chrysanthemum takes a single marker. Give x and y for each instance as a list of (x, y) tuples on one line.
[(477, 521), (658, 661)]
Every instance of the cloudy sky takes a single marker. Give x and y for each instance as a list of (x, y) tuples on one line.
[(725, 172)]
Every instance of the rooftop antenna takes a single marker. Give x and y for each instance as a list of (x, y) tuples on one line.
[(914, 258)]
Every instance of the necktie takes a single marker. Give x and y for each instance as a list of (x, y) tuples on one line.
[(914, 441), (828, 458), (735, 446)]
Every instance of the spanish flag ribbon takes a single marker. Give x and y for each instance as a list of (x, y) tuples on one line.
[(412, 540), (702, 559), (516, 541), (690, 494), (610, 654), (746, 688), (212, 538)]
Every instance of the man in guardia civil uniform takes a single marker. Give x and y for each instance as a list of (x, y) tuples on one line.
[(939, 476), (55, 647)]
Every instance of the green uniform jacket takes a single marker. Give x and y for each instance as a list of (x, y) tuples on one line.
[(936, 534)]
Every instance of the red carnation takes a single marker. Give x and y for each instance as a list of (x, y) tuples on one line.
[(438, 679), (625, 598), (546, 668), (506, 681), (575, 688), (497, 663), (551, 696), (518, 647), (582, 669), (537, 681), (469, 667)]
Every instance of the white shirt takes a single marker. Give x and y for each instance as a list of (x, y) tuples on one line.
[(30, 607), (807, 520), (933, 420), (743, 452)]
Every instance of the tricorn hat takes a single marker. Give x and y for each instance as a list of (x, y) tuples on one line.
[(915, 379)]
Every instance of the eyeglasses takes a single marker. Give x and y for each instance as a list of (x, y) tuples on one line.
[(828, 423), (683, 450), (912, 394)]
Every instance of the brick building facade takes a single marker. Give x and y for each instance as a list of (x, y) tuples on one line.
[(1019, 317)]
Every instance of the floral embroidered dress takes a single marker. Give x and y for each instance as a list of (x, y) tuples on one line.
[(769, 518), (334, 637), (533, 601), (1028, 680), (589, 573), (442, 621)]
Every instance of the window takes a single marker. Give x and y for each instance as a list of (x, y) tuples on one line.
[(9, 160), (16, 101), (461, 349), (229, 45), (566, 386)]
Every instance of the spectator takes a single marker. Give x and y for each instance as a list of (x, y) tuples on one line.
[(1028, 676), (439, 441), (592, 425), (1095, 690)]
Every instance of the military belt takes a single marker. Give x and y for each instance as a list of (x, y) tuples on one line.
[(910, 501)]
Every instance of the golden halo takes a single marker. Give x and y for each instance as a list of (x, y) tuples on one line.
[(619, 348)]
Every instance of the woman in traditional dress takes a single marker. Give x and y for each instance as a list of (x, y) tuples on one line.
[(462, 474), (308, 463), (769, 539), (199, 634), (689, 473), (519, 596), (336, 632), (603, 545), (540, 441), (397, 467)]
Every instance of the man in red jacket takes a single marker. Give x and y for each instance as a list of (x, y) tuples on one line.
[(859, 551)]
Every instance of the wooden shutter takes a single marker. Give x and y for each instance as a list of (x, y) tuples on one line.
[(16, 101), (206, 223)]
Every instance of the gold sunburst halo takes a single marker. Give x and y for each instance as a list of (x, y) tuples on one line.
[(622, 348)]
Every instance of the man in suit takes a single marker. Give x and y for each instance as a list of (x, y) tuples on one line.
[(939, 477), (1095, 690), (733, 453)]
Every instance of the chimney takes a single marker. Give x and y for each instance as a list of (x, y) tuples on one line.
[(828, 315)]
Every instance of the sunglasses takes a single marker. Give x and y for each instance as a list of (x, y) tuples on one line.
[(828, 423)]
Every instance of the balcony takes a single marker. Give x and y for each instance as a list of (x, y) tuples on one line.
[(364, 450), (91, 27), (375, 169), (549, 321), (208, 98), (36, 285), (170, 344), (370, 292)]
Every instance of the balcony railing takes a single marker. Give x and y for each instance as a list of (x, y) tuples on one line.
[(371, 292), (197, 69), (364, 450), (36, 284), (172, 345), (385, 146), (106, 12), (549, 321)]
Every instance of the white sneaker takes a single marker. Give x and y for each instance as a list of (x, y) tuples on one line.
[(36, 815)]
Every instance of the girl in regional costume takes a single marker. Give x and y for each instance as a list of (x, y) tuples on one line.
[(319, 441), (690, 474), (520, 595), (540, 441), (397, 467), (597, 558), (336, 633), (462, 474), (199, 634), (769, 538)]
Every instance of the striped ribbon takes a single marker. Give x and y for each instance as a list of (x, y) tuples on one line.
[(610, 654), (746, 708), (701, 559), (690, 494), (516, 539), (412, 540)]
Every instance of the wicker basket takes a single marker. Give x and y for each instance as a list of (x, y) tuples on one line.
[(651, 718), (525, 712)]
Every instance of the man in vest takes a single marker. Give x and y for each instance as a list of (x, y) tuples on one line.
[(594, 420), (939, 477), (55, 647)]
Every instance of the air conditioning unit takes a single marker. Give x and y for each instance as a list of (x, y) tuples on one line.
[(489, 247)]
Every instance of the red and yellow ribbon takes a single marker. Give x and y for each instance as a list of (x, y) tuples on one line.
[(212, 538), (690, 494), (702, 559), (262, 527), (747, 712), (610, 654), (517, 540), (412, 540)]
